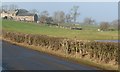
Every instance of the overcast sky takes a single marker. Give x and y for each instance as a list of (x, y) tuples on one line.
[(100, 11)]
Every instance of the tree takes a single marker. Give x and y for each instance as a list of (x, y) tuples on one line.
[(43, 16), (89, 21), (104, 26), (74, 13), (34, 11), (59, 17), (13, 7), (4, 7), (68, 18), (114, 24), (0, 9), (118, 24), (49, 20)]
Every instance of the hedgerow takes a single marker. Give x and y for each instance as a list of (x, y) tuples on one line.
[(106, 52)]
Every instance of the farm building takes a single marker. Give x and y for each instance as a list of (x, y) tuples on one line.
[(19, 15)]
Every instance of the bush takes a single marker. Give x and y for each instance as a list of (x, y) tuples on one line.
[(104, 26), (101, 51)]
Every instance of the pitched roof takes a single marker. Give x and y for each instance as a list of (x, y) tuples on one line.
[(23, 12), (19, 12), (9, 11), (1, 11)]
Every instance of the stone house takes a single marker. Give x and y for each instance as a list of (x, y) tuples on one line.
[(19, 15)]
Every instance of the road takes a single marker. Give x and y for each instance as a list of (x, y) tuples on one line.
[(19, 58)]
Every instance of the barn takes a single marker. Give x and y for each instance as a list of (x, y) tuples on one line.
[(20, 15)]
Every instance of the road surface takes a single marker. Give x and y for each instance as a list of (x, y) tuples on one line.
[(19, 58)]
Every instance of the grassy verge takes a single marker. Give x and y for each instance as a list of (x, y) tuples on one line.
[(59, 54)]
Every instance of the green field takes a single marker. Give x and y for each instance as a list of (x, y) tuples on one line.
[(88, 32)]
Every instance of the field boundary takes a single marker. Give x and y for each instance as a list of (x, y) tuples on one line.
[(61, 54)]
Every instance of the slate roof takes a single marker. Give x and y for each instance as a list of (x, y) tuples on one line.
[(20, 12), (23, 12)]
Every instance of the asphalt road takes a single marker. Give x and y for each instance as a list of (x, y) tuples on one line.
[(19, 58)]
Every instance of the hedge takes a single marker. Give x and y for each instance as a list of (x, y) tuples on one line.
[(106, 52)]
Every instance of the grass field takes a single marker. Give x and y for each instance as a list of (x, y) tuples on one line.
[(88, 33), (33, 28)]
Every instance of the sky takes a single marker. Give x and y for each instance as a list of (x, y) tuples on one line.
[(99, 11)]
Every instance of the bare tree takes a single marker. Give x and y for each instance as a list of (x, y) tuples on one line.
[(68, 18), (0, 9), (104, 26), (34, 11), (89, 20), (43, 16), (118, 24), (74, 13), (59, 17), (114, 24), (49, 20), (4, 7), (13, 7)]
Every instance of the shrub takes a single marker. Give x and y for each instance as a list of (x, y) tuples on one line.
[(101, 51)]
